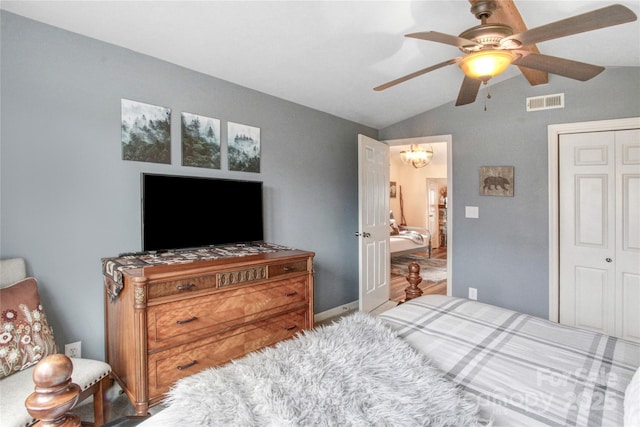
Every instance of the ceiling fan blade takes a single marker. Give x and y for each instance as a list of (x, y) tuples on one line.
[(468, 91), (560, 66), (507, 13), (415, 74), (449, 39), (600, 18)]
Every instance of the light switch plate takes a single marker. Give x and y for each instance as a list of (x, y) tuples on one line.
[(471, 212)]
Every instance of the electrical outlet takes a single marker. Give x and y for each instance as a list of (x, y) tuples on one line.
[(473, 293), (73, 349)]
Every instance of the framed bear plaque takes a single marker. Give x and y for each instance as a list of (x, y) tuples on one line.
[(496, 181)]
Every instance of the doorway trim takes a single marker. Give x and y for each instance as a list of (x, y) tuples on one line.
[(432, 140), (554, 132)]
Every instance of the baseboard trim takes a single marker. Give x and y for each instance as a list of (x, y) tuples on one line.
[(336, 311)]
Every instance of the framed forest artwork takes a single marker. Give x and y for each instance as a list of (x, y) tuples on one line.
[(146, 132), (243, 147), (200, 141)]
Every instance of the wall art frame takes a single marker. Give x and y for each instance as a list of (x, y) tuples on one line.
[(146, 132), (496, 181), (200, 141), (243, 147)]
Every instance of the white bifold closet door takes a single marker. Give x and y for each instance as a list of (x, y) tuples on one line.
[(600, 232)]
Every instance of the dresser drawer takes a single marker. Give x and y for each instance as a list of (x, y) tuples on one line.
[(178, 322), (166, 367), (288, 267), (181, 286)]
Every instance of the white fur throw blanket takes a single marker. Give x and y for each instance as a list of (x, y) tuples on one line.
[(355, 372)]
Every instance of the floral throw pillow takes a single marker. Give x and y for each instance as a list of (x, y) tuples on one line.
[(25, 337)]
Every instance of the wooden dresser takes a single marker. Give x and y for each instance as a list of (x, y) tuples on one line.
[(173, 320)]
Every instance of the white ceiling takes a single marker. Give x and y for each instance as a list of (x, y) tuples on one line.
[(327, 55)]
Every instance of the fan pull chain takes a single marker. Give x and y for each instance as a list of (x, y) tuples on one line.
[(488, 97)]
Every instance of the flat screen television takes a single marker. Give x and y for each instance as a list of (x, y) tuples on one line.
[(181, 212)]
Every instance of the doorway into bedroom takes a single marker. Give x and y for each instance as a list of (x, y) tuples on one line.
[(420, 200)]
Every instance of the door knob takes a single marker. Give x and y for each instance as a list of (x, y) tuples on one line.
[(365, 234), (608, 259)]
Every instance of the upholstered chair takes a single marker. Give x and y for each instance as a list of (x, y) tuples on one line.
[(25, 339)]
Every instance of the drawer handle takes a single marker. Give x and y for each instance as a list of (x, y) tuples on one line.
[(187, 366), (291, 328), (290, 294), (185, 287), (182, 322), (289, 269)]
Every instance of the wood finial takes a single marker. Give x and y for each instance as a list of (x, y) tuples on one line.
[(414, 279), (54, 393)]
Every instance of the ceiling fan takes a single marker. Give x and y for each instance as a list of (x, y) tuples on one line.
[(491, 47)]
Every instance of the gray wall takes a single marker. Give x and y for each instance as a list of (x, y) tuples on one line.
[(68, 199), (504, 253)]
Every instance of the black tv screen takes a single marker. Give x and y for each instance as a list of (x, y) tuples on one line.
[(180, 212)]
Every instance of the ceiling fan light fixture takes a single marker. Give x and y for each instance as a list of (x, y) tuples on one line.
[(485, 64), (417, 156)]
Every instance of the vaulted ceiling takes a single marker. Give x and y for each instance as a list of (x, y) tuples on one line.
[(327, 55)]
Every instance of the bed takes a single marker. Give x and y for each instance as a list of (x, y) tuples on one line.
[(432, 360), (410, 240), (498, 367), (522, 370)]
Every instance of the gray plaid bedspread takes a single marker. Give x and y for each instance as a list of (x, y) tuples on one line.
[(521, 369)]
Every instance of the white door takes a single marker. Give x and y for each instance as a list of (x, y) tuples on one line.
[(627, 258), (600, 232), (432, 212), (373, 222)]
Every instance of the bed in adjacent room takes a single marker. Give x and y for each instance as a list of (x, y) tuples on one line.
[(410, 240), (492, 366)]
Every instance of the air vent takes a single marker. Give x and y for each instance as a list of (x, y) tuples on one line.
[(546, 102)]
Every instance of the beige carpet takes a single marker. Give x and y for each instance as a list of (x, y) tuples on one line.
[(384, 307)]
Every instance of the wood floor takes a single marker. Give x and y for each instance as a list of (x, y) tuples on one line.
[(399, 283)]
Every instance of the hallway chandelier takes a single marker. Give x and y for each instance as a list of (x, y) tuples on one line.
[(417, 156)]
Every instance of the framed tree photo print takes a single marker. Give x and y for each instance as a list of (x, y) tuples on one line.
[(146, 132), (243, 147), (200, 141)]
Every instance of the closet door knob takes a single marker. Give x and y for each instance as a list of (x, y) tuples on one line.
[(608, 260)]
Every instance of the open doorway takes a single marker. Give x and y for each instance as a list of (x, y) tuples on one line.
[(422, 199)]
